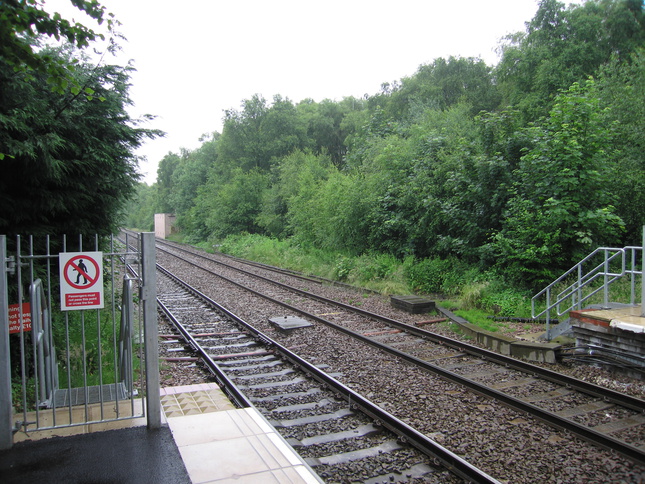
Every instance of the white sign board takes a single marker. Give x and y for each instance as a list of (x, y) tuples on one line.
[(81, 280)]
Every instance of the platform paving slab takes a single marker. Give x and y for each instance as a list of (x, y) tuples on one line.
[(204, 438)]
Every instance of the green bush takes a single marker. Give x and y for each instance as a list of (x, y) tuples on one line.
[(427, 275), (506, 302), (343, 268)]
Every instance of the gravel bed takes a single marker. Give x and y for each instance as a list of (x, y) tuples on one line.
[(380, 304), (510, 446)]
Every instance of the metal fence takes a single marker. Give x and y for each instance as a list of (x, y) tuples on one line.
[(78, 332)]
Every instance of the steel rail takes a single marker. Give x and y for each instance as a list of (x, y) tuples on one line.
[(429, 447), (597, 391), (234, 393), (603, 440)]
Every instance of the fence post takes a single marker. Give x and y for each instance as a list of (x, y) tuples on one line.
[(150, 329), (643, 277), (6, 431)]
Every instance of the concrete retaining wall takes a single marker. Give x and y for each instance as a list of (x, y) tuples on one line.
[(506, 345)]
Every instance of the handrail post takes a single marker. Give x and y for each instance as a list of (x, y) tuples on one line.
[(6, 431), (548, 314), (579, 292), (643, 277), (605, 285), (150, 332)]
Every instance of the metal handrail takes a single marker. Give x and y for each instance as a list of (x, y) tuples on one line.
[(574, 295), (582, 280), (44, 349), (125, 334)]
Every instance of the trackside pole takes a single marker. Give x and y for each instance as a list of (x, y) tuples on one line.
[(643, 278), (150, 328), (6, 432)]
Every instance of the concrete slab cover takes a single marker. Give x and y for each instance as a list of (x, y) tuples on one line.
[(413, 304), (288, 323)]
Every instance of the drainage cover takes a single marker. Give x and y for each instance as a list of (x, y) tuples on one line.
[(288, 323), (413, 304)]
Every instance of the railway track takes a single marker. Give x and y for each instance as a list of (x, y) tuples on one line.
[(606, 418), (512, 446), (342, 435)]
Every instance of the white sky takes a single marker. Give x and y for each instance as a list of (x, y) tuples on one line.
[(197, 58)]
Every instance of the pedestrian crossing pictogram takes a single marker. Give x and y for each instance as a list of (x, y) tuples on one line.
[(81, 281)]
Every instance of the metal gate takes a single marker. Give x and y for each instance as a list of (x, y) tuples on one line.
[(78, 332)]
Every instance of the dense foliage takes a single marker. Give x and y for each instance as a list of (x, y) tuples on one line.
[(66, 140), (522, 167)]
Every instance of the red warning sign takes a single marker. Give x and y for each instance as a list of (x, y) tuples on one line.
[(14, 317), (81, 280)]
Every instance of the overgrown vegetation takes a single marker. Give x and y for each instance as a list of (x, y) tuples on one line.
[(385, 274), (461, 179)]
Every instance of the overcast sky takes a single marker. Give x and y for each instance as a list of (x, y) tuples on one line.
[(197, 58)]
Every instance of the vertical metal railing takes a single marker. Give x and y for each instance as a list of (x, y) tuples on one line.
[(643, 276), (149, 298), (62, 375), (6, 424)]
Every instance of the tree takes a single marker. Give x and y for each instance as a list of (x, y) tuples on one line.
[(71, 165), (166, 180), (297, 177), (140, 209), (565, 45), (622, 91), (441, 85), (234, 206), (23, 23), (560, 207), (260, 134)]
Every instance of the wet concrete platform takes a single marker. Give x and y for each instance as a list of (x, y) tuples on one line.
[(203, 439)]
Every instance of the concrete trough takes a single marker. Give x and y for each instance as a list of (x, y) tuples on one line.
[(530, 351)]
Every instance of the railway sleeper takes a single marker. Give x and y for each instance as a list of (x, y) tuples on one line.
[(274, 384), (282, 396), (585, 408), (265, 356), (335, 459), (304, 406), (418, 471), (368, 430), (552, 395), (229, 337), (514, 383), (252, 376), (342, 413), (230, 346), (622, 424), (269, 364)]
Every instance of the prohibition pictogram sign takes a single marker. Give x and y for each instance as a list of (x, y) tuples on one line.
[(77, 264), (81, 280)]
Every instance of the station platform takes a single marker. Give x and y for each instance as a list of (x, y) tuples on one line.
[(203, 439), (627, 318), (613, 335)]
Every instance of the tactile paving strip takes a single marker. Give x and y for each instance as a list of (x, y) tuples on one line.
[(194, 399)]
